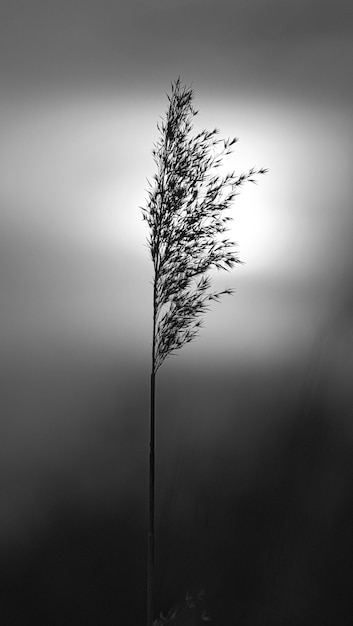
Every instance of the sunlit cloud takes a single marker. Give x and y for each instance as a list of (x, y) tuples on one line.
[(74, 176)]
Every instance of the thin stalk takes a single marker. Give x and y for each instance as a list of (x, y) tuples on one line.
[(150, 556), (151, 542)]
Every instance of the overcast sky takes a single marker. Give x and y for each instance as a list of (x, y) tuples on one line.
[(82, 86)]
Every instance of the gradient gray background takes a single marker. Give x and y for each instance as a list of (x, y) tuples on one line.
[(254, 431)]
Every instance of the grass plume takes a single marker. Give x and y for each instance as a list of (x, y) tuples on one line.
[(188, 219)]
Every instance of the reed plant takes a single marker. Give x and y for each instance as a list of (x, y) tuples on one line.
[(187, 217)]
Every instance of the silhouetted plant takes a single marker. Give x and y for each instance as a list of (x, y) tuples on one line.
[(187, 217)]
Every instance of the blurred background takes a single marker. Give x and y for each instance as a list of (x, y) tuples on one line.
[(254, 419)]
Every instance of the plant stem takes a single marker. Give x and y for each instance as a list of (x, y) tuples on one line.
[(150, 556)]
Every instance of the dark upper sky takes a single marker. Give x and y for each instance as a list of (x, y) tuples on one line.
[(290, 48)]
